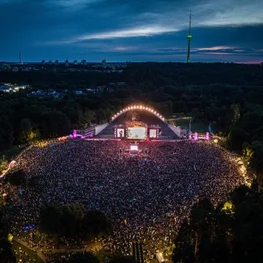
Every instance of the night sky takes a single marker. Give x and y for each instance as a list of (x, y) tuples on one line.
[(131, 30)]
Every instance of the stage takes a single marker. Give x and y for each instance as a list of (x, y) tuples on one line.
[(148, 127)]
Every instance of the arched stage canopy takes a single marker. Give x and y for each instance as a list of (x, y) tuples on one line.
[(138, 107)]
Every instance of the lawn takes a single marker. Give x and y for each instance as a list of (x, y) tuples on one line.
[(197, 126)]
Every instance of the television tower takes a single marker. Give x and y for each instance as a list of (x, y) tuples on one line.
[(189, 37)]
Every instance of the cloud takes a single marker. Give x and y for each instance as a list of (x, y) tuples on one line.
[(143, 31), (216, 48), (228, 13), (71, 3), (125, 33), (130, 29)]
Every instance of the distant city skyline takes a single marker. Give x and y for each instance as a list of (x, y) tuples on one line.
[(136, 31)]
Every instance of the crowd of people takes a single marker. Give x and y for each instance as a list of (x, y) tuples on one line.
[(145, 193)]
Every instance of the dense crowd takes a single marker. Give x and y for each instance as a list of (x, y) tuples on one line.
[(146, 194)]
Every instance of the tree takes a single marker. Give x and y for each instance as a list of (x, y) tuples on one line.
[(55, 124), (50, 216), (62, 220), (16, 178), (235, 112), (96, 223), (236, 137), (184, 245), (6, 253), (201, 239), (6, 133), (3, 223), (247, 228), (85, 117), (26, 131)]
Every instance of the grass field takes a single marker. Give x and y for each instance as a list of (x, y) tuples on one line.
[(197, 126)]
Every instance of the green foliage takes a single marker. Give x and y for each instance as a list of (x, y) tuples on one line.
[(62, 220), (236, 138), (54, 124), (231, 232), (16, 178), (26, 131), (6, 133), (72, 220), (3, 223), (95, 223), (6, 253), (201, 239), (3, 164)]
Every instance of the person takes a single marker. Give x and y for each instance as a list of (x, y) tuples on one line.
[(147, 190)]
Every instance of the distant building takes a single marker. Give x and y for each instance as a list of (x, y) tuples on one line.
[(83, 62), (6, 87), (50, 62), (66, 63), (75, 62), (56, 62), (43, 62)]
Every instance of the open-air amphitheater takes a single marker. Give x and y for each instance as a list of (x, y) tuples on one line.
[(136, 170)]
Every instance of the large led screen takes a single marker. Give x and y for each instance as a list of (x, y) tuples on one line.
[(136, 133), (120, 132), (152, 133)]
